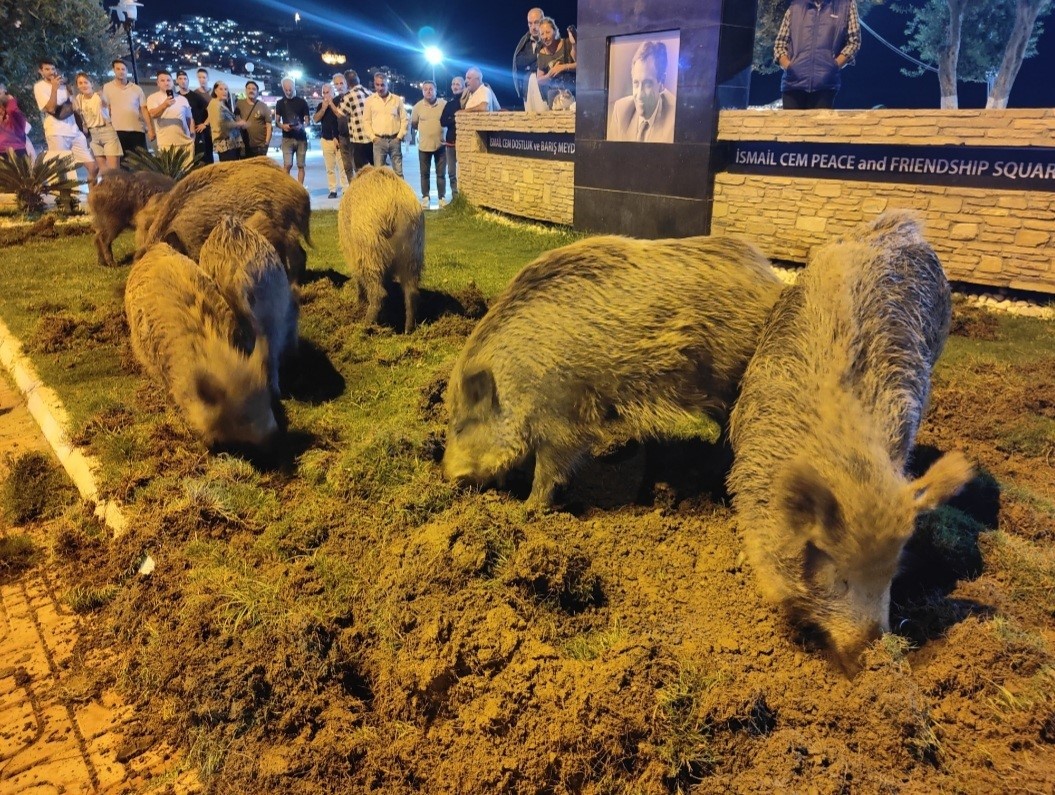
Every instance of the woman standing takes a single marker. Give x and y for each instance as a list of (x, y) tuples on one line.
[(327, 116), (556, 61), (12, 126), (226, 129), (102, 137)]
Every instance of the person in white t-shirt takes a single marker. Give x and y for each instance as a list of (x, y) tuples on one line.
[(481, 97), (95, 111), (172, 116), (60, 127), (128, 109)]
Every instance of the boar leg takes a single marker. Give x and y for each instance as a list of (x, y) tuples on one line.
[(104, 243), (375, 294), (410, 304), (552, 465)]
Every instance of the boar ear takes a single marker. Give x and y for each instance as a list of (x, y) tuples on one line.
[(945, 477), (807, 501), (209, 389), (480, 390)]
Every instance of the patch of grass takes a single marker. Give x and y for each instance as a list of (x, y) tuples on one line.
[(17, 553), (592, 645), (34, 489), (1028, 571), (1018, 340), (684, 734), (88, 599), (1030, 436)]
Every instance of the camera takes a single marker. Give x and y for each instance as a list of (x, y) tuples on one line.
[(573, 32), (168, 92)]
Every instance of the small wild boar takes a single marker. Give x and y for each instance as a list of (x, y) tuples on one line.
[(247, 270), (825, 422), (382, 233), (604, 341), (181, 330), (187, 214), (115, 203)]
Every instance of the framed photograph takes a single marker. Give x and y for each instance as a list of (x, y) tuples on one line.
[(642, 86)]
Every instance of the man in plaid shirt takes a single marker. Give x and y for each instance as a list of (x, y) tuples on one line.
[(817, 38), (352, 107)]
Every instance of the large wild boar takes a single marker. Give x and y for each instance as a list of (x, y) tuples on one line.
[(599, 342), (181, 330), (186, 215), (826, 418), (247, 270), (382, 233), (115, 203)]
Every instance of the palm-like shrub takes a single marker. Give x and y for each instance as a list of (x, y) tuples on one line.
[(32, 180), (171, 162)]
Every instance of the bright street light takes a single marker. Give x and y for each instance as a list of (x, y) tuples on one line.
[(294, 74), (434, 56)]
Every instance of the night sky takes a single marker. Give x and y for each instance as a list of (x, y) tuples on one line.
[(485, 33)]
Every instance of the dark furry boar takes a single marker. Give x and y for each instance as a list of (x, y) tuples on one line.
[(115, 203), (382, 232), (600, 342), (181, 330), (240, 188), (250, 276), (827, 416)]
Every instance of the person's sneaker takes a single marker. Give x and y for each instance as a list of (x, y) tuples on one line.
[(443, 202), (425, 202), (333, 195)]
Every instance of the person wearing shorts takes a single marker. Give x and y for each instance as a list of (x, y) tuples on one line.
[(95, 110), (291, 116), (60, 126)]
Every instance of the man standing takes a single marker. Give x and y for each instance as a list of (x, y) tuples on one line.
[(128, 110), (525, 57), (385, 123), (427, 119), (817, 38), (172, 116), (481, 98), (199, 110), (205, 136), (291, 115), (450, 138), (344, 142), (648, 113), (257, 120), (60, 128)]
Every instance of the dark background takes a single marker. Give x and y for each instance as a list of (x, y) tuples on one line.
[(485, 34)]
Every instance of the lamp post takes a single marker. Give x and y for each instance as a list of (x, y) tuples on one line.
[(126, 12)]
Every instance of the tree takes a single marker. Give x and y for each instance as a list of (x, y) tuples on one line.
[(966, 39), (74, 33), (770, 15), (1022, 36)]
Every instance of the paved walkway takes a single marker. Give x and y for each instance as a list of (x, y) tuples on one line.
[(55, 737)]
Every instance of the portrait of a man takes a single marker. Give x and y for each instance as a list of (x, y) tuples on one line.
[(647, 114)]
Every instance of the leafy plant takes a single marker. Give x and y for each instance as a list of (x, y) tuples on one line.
[(32, 180), (171, 162)]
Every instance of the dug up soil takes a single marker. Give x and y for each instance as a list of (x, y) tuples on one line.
[(426, 640)]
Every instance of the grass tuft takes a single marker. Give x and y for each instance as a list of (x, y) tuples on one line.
[(34, 489)]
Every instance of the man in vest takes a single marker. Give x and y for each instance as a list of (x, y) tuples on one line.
[(817, 38)]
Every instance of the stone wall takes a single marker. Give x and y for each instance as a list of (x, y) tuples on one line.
[(994, 237), (526, 186)]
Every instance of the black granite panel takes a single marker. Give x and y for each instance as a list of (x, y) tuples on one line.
[(645, 15), (735, 51), (591, 115), (740, 13), (615, 212), (668, 169)]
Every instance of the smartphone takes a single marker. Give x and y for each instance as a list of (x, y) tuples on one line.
[(169, 92), (573, 32)]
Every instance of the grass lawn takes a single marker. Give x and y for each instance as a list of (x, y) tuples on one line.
[(345, 621)]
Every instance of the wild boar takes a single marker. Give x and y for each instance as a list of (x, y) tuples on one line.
[(826, 419), (115, 203), (181, 329), (247, 270), (600, 342), (242, 188), (382, 232)]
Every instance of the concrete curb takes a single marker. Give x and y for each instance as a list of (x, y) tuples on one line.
[(49, 413)]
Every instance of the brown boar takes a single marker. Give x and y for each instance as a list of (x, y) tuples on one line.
[(247, 270), (116, 202), (600, 342), (241, 188), (181, 329), (382, 233), (826, 418)]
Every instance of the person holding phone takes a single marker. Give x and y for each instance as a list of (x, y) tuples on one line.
[(60, 128), (173, 120), (556, 61)]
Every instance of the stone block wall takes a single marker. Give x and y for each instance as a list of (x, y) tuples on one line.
[(1001, 238), (530, 187)]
